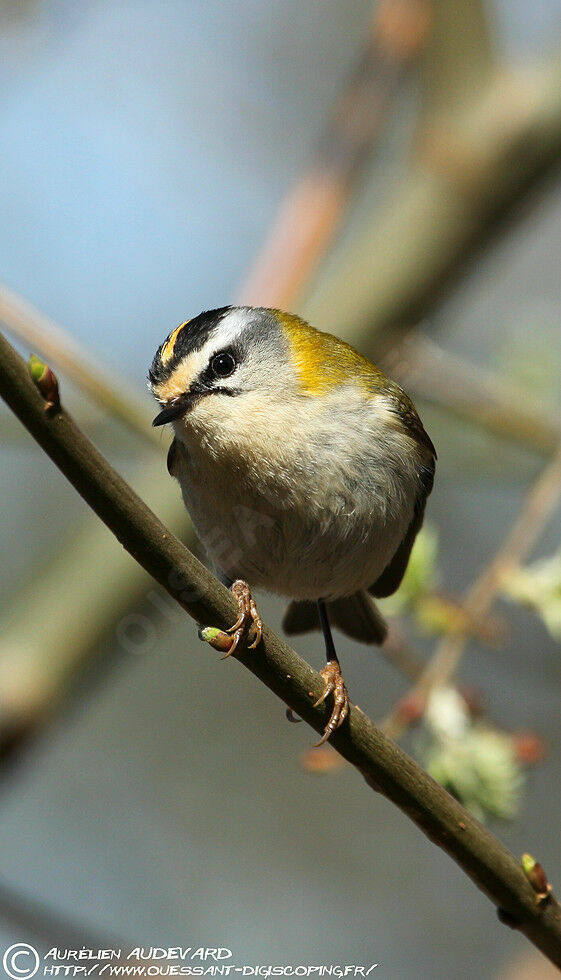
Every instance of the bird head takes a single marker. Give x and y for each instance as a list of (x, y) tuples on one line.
[(252, 355)]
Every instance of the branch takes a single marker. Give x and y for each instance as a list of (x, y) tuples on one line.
[(385, 767)]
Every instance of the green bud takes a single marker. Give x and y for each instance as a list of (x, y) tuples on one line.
[(217, 638), (46, 381), (37, 367), (209, 633), (536, 876)]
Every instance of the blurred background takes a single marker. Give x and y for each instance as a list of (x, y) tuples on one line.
[(389, 170)]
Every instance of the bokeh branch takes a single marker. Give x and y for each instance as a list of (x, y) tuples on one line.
[(536, 510), (41, 333), (473, 161), (313, 210), (39, 655), (472, 393), (385, 767)]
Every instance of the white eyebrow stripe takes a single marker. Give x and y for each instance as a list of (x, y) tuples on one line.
[(221, 336), (229, 329)]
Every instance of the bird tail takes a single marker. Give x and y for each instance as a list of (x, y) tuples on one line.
[(356, 616)]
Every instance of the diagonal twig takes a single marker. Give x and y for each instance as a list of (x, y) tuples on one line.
[(385, 767)]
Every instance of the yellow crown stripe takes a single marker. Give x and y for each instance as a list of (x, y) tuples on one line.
[(168, 348)]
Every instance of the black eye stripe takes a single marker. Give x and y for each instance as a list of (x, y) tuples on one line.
[(192, 338), (209, 380)]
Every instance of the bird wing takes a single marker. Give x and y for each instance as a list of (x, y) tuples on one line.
[(172, 458), (176, 453), (393, 573), (391, 577)]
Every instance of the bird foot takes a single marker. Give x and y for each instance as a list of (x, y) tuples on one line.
[(248, 623), (334, 684)]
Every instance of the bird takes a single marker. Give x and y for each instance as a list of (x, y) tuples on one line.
[(304, 468)]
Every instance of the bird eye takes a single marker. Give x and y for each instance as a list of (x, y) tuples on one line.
[(223, 365)]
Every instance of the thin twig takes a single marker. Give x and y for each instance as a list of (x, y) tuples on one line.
[(385, 767), (539, 504)]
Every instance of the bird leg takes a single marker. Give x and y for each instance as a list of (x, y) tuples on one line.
[(248, 621), (333, 678)]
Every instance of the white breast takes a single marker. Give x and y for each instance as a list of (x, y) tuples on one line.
[(303, 503)]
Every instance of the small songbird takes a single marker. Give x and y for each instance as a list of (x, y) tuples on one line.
[(304, 468)]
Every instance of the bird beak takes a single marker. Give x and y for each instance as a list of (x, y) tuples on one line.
[(173, 410)]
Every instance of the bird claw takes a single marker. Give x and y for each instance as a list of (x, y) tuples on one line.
[(248, 622), (334, 684)]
